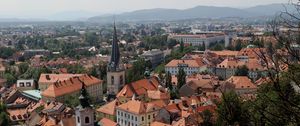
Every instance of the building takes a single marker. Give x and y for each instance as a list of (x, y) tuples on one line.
[(155, 56), (115, 69), (199, 84), (30, 53), (61, 90), (26, 85), (199, 39), (227, 68), (84, 113), (136, 113), (242, 84), (108, 110), (189, 66), (139, 89), (46, 80)]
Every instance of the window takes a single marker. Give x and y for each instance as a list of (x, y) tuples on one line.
[(21, 84), (112, 80), (87, 120), (148, 116), (135, 118), (118, 112), (132, 117), (121, 79), (28, 84), (142, 118), (78, 119), (153, 115)]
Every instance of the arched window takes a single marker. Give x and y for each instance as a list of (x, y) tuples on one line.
[(87, 120), (121, 79), (78, 119), (112, 80)]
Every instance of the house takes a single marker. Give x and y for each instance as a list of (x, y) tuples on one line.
[(61, 90), (242, 84), (139, 89), (108, 110), (203, 84), (190, 66), (46, 80), (26, 85), (136, 113), (155, 56)]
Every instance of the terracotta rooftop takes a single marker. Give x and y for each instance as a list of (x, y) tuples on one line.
[(241, 82), (225, 53), (139, 87), (109, 108), (71, 85), (51, 78), (138, 107), (190, 63), (159, 124), (107, 122)]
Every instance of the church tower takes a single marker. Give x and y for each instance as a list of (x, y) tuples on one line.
[(85, 114), (115, 69)]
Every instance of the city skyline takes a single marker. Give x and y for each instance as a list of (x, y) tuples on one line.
[(59, 8)]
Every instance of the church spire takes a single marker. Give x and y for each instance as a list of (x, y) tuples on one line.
[(115, 53)]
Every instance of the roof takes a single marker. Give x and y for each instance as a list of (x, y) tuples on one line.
[(159, 124), (158, 94), (230, 63), (226, 53), (56, 77), (139, 87), (251, 52), (241, 82), (109, 108), (71, 85), (33, 93), (189, 63), (138, 107), (107, 122)]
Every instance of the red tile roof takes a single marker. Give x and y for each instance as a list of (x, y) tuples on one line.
[(71, 85), (107, 122), (139, 87)]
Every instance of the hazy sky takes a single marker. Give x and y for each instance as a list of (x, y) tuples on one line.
[(44, 8)]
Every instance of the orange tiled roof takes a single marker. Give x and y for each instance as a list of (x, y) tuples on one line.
[(138, 107), (107, 122), (56, 77), (251, 52), (71, 85), (139, 87), (230, 63), (226, 53), (159, 124), (190, 63), (241, 82), (158, 94), (109, 108)]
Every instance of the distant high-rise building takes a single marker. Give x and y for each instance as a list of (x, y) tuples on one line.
[(115, 69)]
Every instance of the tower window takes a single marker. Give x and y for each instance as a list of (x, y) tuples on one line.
[(78, 119), (112, 80), (87, 120), (121, 79)]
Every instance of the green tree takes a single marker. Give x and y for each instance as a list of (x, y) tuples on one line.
[(137, 71), (181, 46), (181, 78), (91, 38), (10, 79), (207, 118), (168, 80), (238, 45), (23, 67), (230, 110), (4, 119), (242, 71)]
